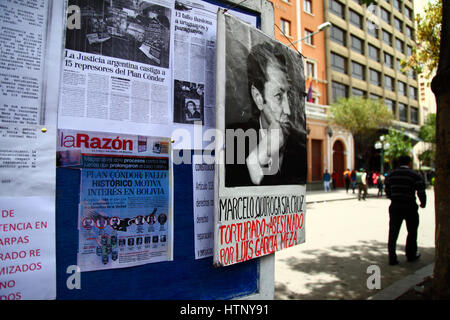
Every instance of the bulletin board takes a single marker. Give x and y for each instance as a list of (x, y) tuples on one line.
[(164, 280), (183, 276)]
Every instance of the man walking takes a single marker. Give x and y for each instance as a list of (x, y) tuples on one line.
[(347, 177), (401, 187), (361, 181), (326, 181)]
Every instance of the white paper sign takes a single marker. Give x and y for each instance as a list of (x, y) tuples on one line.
[(27, 248)]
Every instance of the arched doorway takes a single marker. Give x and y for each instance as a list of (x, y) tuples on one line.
[(339, 162)]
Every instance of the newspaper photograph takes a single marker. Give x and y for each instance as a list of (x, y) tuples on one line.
[(260, 183), (131, 30), (117, 68), (125, 211)]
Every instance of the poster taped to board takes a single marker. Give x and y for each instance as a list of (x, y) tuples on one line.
[(125, 209), (260, 183)]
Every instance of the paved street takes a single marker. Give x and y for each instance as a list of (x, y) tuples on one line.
[(343, 238)]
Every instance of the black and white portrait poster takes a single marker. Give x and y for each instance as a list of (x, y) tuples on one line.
[(260, 179)]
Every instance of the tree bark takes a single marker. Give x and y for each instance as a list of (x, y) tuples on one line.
[(441, 89)]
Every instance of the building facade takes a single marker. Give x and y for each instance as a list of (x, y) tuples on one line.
[(286, 17), (329, 148), (359, 55), (364, 50)]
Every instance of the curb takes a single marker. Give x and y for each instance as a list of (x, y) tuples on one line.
[(400, 287), (336, 199)]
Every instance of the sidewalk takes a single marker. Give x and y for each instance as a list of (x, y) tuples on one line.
[(337, 194), (398, 288)]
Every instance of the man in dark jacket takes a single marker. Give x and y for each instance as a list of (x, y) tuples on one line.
[(401, 187)]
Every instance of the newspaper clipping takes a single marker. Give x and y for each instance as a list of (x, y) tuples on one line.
[(116, 69), (194, 64), (125, 206), (260, 185)]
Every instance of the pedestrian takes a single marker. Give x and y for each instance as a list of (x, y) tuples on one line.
[(326, 181), (353, 178), (347, 178), (374, 178), (401, 186), (380, 185), (361, 181), (333, 179)]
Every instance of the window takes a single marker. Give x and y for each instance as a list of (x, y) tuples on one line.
[(398, 5), (403, 112), (412, 74), (408, 13), (309, 37), (285, 27), (338, 63), (401, 88), (410, 32), (398, 24), (385, 15), (375, 77), (414, 115), (399, 66), (408, 51), (390, 104), (389, 83), (388, 60), (374, 53), (310, 69), (413, 93), (357, 44), (337, 8), (338, 35), (339, 90), (358, 92), (387, 37), (374, 96), (399, 45), (356, 19), (372, 29), (307, 6), (358, 71)]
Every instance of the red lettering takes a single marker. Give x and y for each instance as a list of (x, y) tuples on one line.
[(11, 296), (40, 225), (7, 284), (67, 141), (7, 213), (82, 138), (221, 233), (226, 256), (106, 144)]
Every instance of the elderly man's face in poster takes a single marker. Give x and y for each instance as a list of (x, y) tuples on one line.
[(275, 105)]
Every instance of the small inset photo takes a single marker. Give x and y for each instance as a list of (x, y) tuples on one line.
[(188, 102)]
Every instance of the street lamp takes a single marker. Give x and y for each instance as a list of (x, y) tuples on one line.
[(381, 145), (321, 27)]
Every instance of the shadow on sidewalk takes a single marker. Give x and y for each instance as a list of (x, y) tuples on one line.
[(340, 272)]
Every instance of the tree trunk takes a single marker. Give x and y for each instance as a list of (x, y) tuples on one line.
[(441, 88)]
